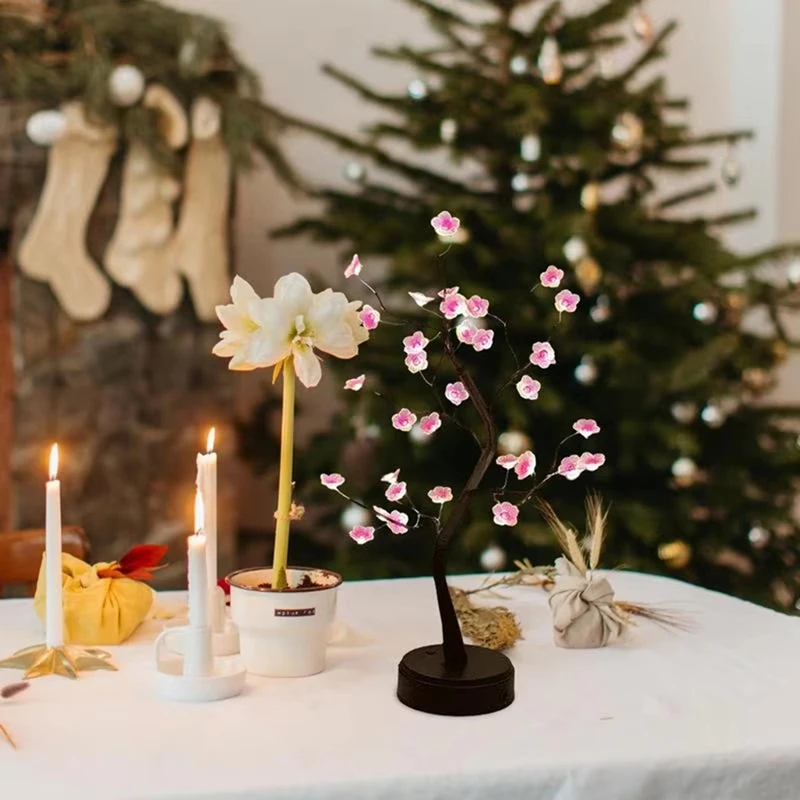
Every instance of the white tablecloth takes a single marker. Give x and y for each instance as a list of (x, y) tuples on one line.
[(709, 715)]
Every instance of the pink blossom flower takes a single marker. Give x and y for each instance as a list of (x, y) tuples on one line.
[(396, 521), (456, 393), (441, 494), (570, 467), (551, 277), (421, 299), (332, 481), (430, 423), (354, 267), (416, 362), (508, 461), (477, 306), (453, 304), (543, 355), (465, 332), (445, 224), (396, 491), (483, 340), (592, 461), (586, 427), (370, 317), (355, 384), (391, 477), (404, 420), (415, 343), (505, 514), (526, 465), (448, 292), (361, 534), (567, 301), (528, 388)]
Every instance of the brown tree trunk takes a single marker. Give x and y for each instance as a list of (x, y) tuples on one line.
[(6, 383)]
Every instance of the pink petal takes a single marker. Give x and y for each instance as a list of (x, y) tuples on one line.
[(430, 423), (592, 461), (416, 362), (526, 465), (361, 534), (477, 306), (391, 477), (396, 491), (586, 427), (508, 461), (452, 306), (421, 299), (456, 393), (528, 388), (415, 343), (483, 340), (505, 514), (465, 332), (404, 420), (566, 301), (551, 277), (332, 481), (353, 268), (570, 467), (441, 494), (445, 224), (370, 318), (355, 384), (543, 355)]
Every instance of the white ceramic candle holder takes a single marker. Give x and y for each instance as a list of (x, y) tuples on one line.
[(226, 679)]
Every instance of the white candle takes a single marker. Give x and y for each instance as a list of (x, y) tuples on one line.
[(198, 659), (207, 484), (54, 609)]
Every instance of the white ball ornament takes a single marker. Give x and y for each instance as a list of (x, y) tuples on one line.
[(354, 515), (126, 85), (493, 558), (45, 127)]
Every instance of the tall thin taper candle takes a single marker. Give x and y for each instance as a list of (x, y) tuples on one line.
[(198, 658), (54, 609), (207, 484)]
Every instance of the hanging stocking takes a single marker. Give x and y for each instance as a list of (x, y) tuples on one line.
[(138, 253), (54, 247), (200, 247)]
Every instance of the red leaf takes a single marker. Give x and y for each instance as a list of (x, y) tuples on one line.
[(139, 562)]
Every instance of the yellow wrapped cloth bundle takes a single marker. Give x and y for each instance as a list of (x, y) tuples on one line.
[(104, 603)]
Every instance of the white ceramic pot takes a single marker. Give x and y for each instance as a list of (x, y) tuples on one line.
[(283, 634)]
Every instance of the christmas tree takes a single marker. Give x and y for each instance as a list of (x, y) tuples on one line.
[(555, 155)]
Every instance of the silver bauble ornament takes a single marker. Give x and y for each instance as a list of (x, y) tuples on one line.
[(705, 312), (684, 412), (628, 131), (530, 147), (354, 515), (448, 130), (549, 63), (713, 415), (417, 89), (519, 65), (575, 249), (493, 558), (731, 170), (586, 372), (684, 468), (520, 182), (601, 310), (45, 127), (417, 436), (125, 85), (642, 26), (354, 172), (513, 443), (759, 536)]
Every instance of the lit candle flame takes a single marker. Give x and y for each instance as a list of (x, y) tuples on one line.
[(210, 442), (54, 462), (199, 512)]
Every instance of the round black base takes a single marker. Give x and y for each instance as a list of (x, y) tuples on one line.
[(484, 685)]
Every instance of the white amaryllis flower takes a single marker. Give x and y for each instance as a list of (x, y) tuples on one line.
[(262, 332)]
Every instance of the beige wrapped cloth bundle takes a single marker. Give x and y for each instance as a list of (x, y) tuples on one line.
[(584, 612)]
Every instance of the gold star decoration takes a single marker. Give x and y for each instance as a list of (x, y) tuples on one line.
[(66, 661)]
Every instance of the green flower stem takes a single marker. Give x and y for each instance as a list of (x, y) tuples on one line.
[(281, 552)]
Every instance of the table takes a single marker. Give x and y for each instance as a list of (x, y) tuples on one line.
[(709, 715)]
